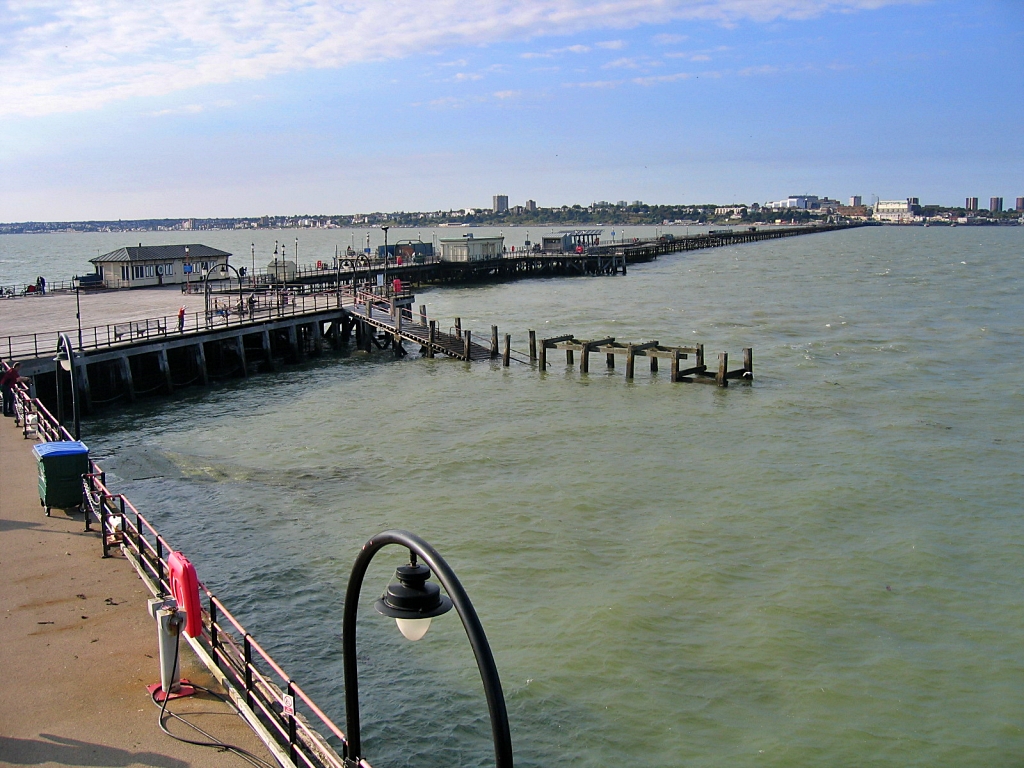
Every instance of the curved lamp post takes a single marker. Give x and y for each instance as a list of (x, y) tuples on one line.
[(385, 257), (66, 359), (223, 268), (413, 601)]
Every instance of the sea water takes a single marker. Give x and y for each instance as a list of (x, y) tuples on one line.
[(822, 568)]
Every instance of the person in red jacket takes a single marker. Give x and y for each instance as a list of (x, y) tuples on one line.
[(11, 377)]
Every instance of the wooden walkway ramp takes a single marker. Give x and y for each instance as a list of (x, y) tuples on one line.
[(399, 325)]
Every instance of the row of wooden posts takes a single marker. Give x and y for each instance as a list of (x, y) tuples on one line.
[(610, 348)]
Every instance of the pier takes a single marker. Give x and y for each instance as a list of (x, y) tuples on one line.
[(269, 712), (325, 306), (612, 258), (122, 362)]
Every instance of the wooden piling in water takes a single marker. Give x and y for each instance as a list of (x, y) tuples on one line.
[(507, 357), (494, 341), (200, 353), (468, 340), (125, 367), (458, 327), (431, 336), (533, 345), (165, 370), (240, 352)]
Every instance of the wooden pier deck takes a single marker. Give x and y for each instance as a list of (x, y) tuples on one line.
[(605, 259), (126, 358), (397, 325)]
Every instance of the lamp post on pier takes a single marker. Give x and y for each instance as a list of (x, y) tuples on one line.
[(66, 359), (385, 257), (413, 601), (78, 307)]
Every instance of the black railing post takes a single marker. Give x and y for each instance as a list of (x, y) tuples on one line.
[(291, 723), (247, 655), (213, 631), (159, 561), (87, 501), (104, 522)]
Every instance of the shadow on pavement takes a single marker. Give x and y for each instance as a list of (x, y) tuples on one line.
[(57, 749)]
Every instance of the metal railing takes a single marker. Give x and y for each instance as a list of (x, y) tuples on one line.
[(266, 306), (284, 710)]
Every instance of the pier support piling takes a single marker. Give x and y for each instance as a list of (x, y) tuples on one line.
[(125, 367)]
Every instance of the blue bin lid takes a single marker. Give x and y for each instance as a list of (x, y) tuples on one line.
[(60, 448)]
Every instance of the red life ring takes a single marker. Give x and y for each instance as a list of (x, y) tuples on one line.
[(319, 265), (185, 589)]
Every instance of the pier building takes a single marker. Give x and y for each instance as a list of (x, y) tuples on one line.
[(144, 266), (469, 248)]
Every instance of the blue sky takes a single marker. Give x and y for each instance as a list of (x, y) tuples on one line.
[(246, 107)]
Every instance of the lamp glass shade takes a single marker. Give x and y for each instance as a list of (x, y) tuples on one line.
[(413, 629), (64, 359)]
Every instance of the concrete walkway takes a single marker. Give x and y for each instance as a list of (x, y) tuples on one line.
[(77, 647), (56, 311)]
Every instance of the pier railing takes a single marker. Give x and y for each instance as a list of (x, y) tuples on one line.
[(274, 704), (267, 306)]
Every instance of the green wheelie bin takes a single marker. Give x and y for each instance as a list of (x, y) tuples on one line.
[(61, 466)]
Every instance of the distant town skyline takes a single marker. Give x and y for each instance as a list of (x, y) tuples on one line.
[(233, 109)]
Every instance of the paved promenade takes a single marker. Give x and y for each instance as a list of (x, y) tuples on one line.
[(77, 647), (56, 311)]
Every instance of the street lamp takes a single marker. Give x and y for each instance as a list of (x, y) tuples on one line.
[(78, 307), (413, 601), (206, 287), (385, 257), (66, 360)]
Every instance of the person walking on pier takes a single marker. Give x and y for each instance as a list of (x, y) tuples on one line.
[(8, 381), (181, 320)]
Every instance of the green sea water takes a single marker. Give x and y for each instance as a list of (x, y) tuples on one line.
[(821, 568)]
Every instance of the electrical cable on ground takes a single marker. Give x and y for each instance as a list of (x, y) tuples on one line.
[(213, 742)]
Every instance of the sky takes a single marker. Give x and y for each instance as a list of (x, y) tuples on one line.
[(131, 109)]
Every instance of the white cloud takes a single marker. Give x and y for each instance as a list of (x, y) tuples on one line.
[(625, 63), (596, 84), (663, 78), (73, 55)]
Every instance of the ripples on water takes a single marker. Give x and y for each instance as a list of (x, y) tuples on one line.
[(819, 569)]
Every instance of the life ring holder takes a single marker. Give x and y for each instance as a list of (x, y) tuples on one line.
[(185, 590)]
